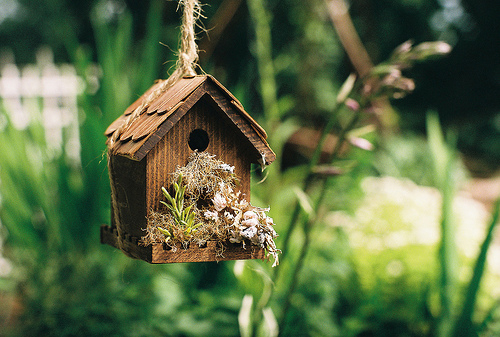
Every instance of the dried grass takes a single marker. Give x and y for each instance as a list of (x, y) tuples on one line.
[(221, 211), (203, 176)]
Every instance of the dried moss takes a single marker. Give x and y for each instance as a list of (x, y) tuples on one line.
[(209, 188), (203, 176)]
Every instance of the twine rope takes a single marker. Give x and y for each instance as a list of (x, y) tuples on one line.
[(186, 63), (185, 66)]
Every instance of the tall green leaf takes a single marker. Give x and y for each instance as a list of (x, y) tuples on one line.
[(444, 159), (464, 325)]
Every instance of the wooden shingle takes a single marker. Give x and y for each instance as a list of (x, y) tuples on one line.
[(146, 130)]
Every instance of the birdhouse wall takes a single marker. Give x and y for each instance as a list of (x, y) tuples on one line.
[(128, 212), (225, 141)]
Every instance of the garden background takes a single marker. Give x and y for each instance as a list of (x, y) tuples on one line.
[(387, 229)]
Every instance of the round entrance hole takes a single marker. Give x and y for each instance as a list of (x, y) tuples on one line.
[(198, 140)]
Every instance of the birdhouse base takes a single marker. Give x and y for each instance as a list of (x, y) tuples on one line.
[(161, 253)]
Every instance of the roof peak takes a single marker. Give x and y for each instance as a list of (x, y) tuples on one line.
[(158, 104)]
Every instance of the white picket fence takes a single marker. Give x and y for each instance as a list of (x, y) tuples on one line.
[(46, 93)]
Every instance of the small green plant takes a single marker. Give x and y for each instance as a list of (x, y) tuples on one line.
[(183, 217)]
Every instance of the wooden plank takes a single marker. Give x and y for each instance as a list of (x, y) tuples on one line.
[(227, 92), (115, 125), (238, 104), (193, 83), (143, 97), (138, 150), (257, 141), (130, 247), (211, 252), (161, 253), (152, 140), (169, 95), (262, 133), (143, 126), (150, 126), (226, 142), (176, 93), (129, 209), (171, 110), (127, 149), (167, 102), (131, 129), (148, 132)]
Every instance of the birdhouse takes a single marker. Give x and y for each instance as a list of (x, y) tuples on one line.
[(195, 115)]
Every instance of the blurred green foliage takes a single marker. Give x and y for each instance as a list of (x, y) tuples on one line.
[(283, 60)]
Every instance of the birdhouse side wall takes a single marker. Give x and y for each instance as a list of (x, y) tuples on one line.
[(225, 141), (128, 202)]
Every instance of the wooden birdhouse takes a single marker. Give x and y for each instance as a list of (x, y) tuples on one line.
[(194, 115)]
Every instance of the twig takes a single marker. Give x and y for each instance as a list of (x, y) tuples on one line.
[(309, 223), (360, 59), (357, 53), (307, 182), (339, 14)]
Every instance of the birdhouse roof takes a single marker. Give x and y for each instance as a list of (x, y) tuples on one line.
[(160, 114)]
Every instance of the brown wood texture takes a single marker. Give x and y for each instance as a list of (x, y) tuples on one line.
[(225, 142), (128, 244), (165, 127), (245, 114), (129, 180), (157, 118), (212, 252), (151, 148), (160, 253), (237, 115), (175, 94)]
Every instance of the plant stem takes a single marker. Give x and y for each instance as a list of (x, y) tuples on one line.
[(309, 177), (463, 325), (360, 59), (309, 223), (342, 22), (443, 161)]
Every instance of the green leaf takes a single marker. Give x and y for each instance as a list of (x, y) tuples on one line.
[(304, 201), (245, 316), (164, 231), (176, 189), (190, 215), (165, 192), (186, 212), (443, 158), (180, 204), (170, 208), (181, 195), (464, 325), (170, 199)]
